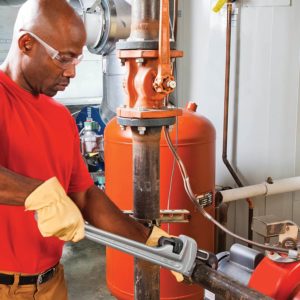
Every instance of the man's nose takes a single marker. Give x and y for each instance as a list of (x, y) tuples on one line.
[(70, 72)]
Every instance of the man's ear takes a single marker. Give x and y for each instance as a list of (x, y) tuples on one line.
[(25, 43)]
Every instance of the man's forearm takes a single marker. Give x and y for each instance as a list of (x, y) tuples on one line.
[(101, 212), (15, 188)]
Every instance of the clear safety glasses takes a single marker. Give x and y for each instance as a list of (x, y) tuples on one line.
[(61, 60)]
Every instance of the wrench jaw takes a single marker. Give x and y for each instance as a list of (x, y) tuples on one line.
[(205, 258), (208, 258), (180, 244), (175, 242)]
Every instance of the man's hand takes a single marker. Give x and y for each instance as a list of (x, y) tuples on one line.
[(57, 215), (152, 241)]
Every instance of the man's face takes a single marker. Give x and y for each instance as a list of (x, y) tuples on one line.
[(47, 75)]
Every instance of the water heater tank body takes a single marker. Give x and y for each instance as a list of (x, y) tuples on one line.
[(194, 138)]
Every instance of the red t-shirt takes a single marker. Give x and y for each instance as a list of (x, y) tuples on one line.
[(38, 139)]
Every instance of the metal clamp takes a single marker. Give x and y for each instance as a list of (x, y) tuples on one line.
[(205, 199), (166, 216)]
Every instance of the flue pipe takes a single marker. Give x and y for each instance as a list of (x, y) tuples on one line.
[(144, 20)]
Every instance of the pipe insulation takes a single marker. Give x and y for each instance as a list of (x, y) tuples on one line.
[(263, 189)]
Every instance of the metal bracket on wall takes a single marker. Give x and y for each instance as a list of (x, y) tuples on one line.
[(166, 216), (205, 199)]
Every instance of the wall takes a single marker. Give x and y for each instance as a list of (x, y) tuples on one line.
[(8, 14), (85, 88), (264, 132)]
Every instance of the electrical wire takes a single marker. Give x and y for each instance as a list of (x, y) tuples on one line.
[(172, 174), (193, 198)]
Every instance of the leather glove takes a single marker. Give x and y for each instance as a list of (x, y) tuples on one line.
[(152, 241), (57, 214)]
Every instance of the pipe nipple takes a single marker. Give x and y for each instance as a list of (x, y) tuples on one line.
[(191, 106)]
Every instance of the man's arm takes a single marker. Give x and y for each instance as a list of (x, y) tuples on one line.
[(95, 206), (101, 212), (15, 188)]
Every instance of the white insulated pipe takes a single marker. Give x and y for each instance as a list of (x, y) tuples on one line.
[(263, 189)]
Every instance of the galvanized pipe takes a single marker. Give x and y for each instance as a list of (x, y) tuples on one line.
[(146, 183), (144, 20), (223, 286)]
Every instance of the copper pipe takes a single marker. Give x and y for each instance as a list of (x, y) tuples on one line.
[(225, 124), (193, 198)]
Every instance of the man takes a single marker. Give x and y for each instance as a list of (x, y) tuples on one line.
[(40, 159)]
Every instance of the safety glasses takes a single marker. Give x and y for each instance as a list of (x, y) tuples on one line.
[(61, 60)]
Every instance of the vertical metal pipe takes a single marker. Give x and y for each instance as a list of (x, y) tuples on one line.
[(220, 237), (225, 123), (144, 20), (146, 182)]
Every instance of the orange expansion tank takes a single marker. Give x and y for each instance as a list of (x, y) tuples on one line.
[(195, 138)]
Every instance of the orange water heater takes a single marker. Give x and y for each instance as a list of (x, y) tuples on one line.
[(195, 139)]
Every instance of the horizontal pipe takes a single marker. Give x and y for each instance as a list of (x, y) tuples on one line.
[(224, 286), (263, 189)]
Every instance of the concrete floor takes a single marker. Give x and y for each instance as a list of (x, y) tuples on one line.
[(84, 264)]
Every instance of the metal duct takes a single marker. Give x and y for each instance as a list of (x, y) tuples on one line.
[(105, 21), (113, 92)]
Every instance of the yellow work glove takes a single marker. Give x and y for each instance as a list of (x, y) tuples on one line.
[(57, 214), (152, 241)]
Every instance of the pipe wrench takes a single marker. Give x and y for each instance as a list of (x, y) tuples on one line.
[(177, 254)]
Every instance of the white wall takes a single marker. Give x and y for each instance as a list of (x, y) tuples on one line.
[(264, 131), (85, 88), (7, 17)]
